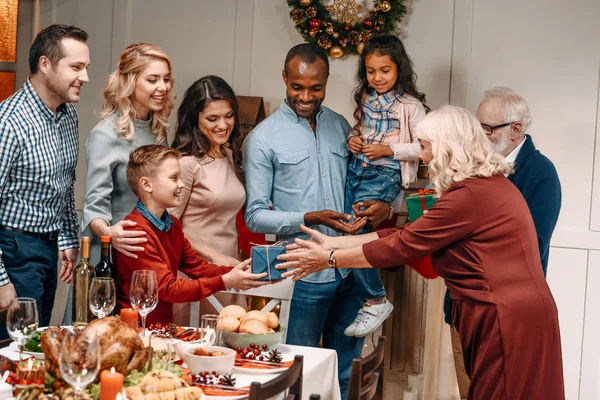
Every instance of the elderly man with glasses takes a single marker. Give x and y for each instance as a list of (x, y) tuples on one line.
[(505, 117)]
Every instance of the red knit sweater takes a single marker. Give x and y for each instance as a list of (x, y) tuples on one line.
[(166, 253)]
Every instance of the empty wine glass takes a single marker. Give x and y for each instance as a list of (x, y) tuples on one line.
[(102, 296), (79, 359), (22, 321), (143, 294)]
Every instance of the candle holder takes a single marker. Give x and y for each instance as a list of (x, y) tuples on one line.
[(29, 373)]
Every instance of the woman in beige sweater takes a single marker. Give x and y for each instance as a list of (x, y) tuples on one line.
[(208, 136)]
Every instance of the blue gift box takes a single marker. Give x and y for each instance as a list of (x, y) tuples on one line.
[(264, 259)]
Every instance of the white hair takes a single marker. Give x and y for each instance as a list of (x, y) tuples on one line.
[(515, 107), (460, 148)]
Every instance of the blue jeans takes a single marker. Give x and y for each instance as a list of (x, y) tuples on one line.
[(31, 265), (372, 182), (327, 309)]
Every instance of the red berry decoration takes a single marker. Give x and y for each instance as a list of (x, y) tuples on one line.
[(252, 345), (246, 351), (264, 347), (251, 356), (256, 352), (314, 24), (346, 27), (368, 23)]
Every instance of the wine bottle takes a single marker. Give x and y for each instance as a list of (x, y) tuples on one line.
[(82, 277), (104, 268)]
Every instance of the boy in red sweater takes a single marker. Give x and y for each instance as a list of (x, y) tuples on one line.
[(153, 174)]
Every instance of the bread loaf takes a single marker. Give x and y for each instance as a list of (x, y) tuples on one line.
[(254, 326), (234, 310), (228, 323), (254, 314)]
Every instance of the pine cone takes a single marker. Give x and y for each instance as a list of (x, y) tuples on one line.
[(275, 356), (228, 380)]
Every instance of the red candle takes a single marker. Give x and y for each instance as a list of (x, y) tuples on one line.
[(111, 384), (130, 317)]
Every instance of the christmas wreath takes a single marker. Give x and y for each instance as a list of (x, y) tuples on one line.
[(343, 27)]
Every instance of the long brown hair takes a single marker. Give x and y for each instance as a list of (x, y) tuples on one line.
[(189, 139), (385, 45)]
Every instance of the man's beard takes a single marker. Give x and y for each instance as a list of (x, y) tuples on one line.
[(59, 89), (503, 144)]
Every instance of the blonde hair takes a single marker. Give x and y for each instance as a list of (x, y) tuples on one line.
[(121, 85), (144, 161), (460, 148)]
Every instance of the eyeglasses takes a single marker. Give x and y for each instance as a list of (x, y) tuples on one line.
[(489, 129)]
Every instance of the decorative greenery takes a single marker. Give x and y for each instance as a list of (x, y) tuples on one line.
[(343, 27)]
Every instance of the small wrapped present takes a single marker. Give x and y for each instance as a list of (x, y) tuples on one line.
[(264, 259), (419, 203)]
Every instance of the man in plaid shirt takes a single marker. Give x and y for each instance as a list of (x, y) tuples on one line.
[(39, 138)]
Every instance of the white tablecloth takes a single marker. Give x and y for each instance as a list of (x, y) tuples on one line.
[(319, 370)]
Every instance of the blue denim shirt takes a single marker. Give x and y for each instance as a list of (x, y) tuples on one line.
[(163, 224), (287, 165)]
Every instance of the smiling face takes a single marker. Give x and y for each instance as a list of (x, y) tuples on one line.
[(165, 183), (382, 72), (65, 78), (305, 86), (216, 121), (151, 89)]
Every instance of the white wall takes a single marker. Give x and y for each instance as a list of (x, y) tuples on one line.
[(547, 50)]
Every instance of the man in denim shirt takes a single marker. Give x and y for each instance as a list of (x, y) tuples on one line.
[(297, 160)]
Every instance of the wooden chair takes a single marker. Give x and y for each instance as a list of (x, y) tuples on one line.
[(315, 397), (290, 379), (280, 293), (366, 377)]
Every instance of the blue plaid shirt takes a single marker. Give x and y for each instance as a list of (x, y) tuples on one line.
[(37, 168), (381, 125)]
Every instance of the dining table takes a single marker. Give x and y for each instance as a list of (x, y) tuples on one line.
[(319, 373)]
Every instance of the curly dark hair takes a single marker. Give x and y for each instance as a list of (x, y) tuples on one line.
[(386, 45), (189, 139)]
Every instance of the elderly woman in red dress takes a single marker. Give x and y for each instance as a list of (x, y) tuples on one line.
[(483, 243)]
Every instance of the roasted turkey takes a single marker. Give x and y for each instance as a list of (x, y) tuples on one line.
[(120, 346)]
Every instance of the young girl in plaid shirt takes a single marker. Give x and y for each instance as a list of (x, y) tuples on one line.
[(385, 151)]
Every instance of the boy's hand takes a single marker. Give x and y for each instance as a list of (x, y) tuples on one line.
[(241, 279), (375, 151), (355, 144)]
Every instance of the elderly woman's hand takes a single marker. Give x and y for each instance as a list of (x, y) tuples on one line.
[(326, 242), (308, 258)]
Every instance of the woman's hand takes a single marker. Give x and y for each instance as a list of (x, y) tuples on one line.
[(326, 242), (308, 259), (375, 151), (355, 144), (241, 279), (124, 241)]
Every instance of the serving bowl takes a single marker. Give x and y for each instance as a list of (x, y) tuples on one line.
[(220, 364), (236, 340)]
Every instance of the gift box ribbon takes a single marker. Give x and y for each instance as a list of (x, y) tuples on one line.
[(266, 246), (422, 194)]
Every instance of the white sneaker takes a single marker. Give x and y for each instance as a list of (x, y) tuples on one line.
[(370, 317), (352, 327)]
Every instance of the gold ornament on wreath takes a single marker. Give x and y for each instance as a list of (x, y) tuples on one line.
[(343, 26)]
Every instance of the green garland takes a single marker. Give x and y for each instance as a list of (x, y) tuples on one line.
[(317, 25)]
